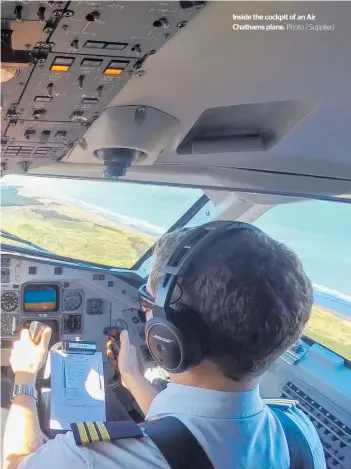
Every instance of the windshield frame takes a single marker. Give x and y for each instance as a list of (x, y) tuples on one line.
[(182, 221)]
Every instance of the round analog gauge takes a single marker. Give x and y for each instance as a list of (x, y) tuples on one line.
[(72, 300), (9, 301)]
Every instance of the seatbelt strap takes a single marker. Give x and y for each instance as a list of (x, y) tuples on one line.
[(176, 443), (181, 449)]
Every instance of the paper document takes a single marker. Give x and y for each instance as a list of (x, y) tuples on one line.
[(77, 389), (83, 386)]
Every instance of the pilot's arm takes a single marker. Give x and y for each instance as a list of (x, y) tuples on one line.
[(22, 431), (22, 435)]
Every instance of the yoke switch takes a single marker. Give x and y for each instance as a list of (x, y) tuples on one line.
[(38, 113), (29, 133)]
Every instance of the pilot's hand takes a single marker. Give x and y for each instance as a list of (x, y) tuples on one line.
[(127, 360), (26, 357)]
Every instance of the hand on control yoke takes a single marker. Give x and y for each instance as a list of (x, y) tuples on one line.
[(131, 377), (28, 357), (127, 363)]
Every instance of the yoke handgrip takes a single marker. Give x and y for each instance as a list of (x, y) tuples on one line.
[(36, 330)]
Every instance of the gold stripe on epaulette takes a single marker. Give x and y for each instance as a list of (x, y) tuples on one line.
[(285, 403), (82, 433), (103, 431), (92, 432)]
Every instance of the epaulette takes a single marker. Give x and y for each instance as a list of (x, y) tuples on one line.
[(85, 433), (282, 404)]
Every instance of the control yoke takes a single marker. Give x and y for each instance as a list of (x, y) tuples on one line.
[(36, 330), (114, 332)]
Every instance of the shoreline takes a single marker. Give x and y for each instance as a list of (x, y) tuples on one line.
[(103, 218)]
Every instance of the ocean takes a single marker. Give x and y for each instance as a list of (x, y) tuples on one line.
[(319, 231)]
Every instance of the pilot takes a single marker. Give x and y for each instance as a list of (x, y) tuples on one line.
[(253, 297)]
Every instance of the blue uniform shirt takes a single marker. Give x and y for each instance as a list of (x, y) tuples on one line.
[(236, 429)]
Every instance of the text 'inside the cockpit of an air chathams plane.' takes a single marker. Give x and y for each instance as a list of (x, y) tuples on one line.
[(275, 17), (285, 22)]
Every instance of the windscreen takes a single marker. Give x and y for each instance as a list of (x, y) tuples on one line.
[(319, 232), (96, 221)]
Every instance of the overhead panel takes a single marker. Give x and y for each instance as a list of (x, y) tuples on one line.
[(66, 62), (128, 29), (72, 88)]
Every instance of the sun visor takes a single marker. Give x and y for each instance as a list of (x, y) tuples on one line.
[(245, 127)]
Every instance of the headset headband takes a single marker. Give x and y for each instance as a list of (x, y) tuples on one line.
[(184, 255)]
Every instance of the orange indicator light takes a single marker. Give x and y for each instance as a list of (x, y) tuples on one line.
[(113, 71), (59, 68)]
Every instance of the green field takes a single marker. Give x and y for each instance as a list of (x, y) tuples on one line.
[(330, 330), (70, 231)]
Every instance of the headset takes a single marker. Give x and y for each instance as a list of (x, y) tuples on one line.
[(178, 339)]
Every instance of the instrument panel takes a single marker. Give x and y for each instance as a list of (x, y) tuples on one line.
[(76, 302)]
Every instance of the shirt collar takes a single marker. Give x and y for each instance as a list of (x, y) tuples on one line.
[(180, 399)]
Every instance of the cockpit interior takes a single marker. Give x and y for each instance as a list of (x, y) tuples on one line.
[(121, 121)]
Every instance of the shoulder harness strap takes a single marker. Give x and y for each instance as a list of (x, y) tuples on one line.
[(177, 444), (174, 440)]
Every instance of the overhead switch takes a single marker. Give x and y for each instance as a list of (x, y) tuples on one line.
[(49, 88), (136, 49), (29, 133), (61, 64), (75, 44), (81, 81), (39, 113), (41, 14), (76, 114), (93, 16), (161, 22), (91, 63), (18, 13), (116, 67), (45, 135), (99, 90)]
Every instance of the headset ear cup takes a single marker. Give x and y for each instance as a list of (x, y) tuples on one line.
[(194, 338), (177, 344), (166, 344)]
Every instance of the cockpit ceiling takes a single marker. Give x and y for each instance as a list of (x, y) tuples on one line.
[(207, 65)]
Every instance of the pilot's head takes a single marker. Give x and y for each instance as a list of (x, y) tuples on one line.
[(251, 293)]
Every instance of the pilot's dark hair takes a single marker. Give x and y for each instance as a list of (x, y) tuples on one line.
[(252, 294)]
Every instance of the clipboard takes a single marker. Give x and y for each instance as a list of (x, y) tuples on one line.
[(77, 389)]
